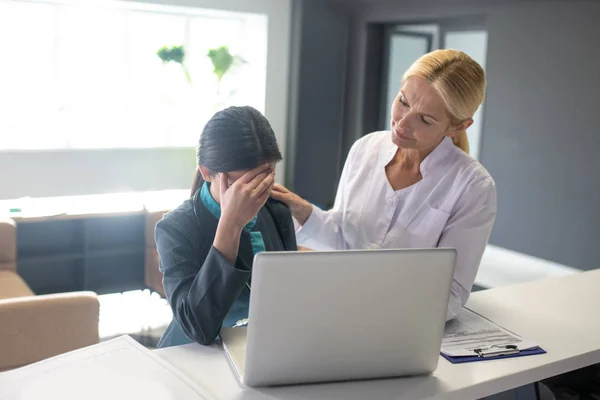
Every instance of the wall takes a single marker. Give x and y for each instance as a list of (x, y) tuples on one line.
[(58, 173), (540, 137), (540, 133), (316, 115)]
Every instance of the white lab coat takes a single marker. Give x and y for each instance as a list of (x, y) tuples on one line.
[(454, 205)]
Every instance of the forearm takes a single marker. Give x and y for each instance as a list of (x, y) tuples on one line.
[(201, 305), (322, 231), (457, 300), (227, 239), (200, 283)]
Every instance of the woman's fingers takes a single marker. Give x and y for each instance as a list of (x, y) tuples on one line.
[(262, 199), (279, 196), (253, 173), (280, 188), (276, 194), (281, 193), (265, 185), (256, 182)]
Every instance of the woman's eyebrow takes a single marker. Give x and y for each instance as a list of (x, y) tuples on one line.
[(425, 114)]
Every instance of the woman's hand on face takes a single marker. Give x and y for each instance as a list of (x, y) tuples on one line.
[(241, 201), (300, 208)]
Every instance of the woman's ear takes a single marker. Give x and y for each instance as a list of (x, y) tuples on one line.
[(458, 128), (206, 175)]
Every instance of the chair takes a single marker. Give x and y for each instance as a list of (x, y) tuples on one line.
[(152, 275), (32, 327)]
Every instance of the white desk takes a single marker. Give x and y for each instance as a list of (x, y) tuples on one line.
[(562, 314)]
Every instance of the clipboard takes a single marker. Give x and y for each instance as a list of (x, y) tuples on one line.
[(477, 357), (472, 337)]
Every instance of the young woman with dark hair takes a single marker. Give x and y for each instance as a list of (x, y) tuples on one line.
[(206, 246)]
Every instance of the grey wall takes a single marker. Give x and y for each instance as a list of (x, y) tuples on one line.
[(540, 133), (316, 117)]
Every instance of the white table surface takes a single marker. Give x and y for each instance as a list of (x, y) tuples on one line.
[(561, 314)]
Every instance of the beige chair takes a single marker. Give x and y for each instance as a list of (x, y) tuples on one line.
[(32, 327), (152, 275)]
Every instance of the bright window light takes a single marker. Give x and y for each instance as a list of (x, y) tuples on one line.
[(81, 75)]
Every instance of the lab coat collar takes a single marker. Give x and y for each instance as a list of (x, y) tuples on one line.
[(435, 159)]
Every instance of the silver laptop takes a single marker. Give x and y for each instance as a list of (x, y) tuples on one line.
[(342, 315)]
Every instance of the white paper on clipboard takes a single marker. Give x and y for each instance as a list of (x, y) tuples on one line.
[(470, 331), (116, 369)]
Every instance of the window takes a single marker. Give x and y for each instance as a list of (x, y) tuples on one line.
[(87, 75)]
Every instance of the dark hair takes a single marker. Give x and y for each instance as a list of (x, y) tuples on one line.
[(237, 138)]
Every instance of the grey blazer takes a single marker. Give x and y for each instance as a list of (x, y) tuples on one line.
[(200, 284)]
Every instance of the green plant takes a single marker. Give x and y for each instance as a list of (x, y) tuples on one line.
[(222, 61), (174, 54)]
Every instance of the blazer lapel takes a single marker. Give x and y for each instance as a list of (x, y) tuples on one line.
[(245, 251), (206, 221)]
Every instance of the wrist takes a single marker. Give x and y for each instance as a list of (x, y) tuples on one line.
[(302, 211), (230, 226), (227, 239)]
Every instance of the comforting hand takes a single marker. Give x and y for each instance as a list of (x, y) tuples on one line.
[(300, 208), (241, 201)]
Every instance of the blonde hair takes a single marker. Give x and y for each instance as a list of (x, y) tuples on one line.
[(458, 79)]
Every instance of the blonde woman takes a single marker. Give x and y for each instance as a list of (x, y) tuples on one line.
[(414, 186)]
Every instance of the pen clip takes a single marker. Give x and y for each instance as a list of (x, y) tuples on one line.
[(497, 350)]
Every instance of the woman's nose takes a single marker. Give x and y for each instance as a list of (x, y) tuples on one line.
[(402, 123)]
